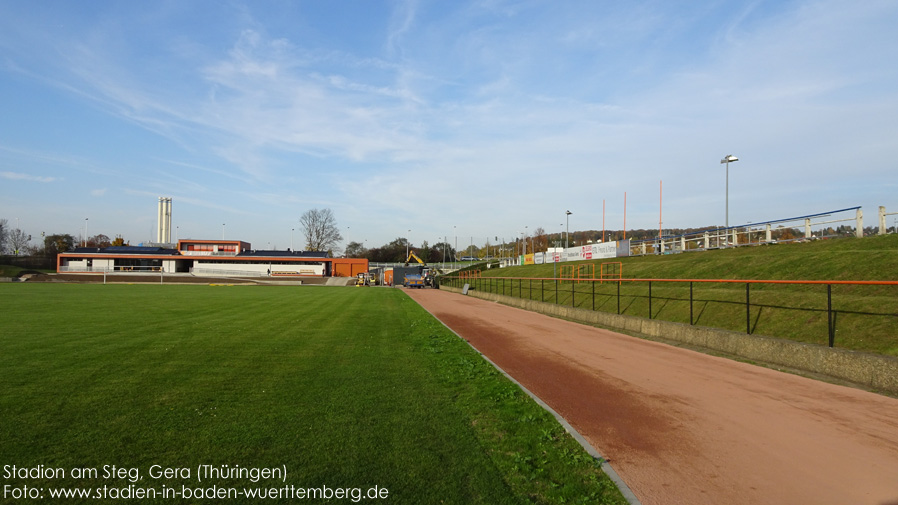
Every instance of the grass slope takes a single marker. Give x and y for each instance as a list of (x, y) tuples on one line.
[(866, 316), (343, 387)]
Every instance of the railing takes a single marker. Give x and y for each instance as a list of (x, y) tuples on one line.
[(564, 291), (216, 272), (751, 234)]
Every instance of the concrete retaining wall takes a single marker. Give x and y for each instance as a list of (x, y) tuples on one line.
[(874, 371)]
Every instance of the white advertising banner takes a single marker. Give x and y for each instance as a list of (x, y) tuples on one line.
[(604, 250), (601, 250), (539, 258)]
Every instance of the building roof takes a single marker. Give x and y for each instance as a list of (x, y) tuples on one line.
[(283, 254), (124, 249)]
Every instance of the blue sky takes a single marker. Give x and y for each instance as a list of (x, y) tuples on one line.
[(467, 118)]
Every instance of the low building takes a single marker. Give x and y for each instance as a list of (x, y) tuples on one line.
[(208, 258)]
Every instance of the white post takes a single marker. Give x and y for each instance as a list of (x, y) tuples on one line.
[(882, 220), (768, 236), (707, 241), (807, 227), (683, 243), (859, 233)]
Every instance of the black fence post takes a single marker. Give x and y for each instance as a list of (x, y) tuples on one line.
[(829, 315), (542, 290), (690, 304), (747, 309), (593, 295), (650, 299), (618, 297)]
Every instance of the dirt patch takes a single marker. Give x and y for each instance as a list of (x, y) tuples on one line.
[(684, 427)]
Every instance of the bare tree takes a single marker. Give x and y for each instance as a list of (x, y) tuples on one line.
[(4, 233), (18, 239), (320, 229)]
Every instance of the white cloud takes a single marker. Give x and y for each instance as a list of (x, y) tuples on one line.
[(18, 176)]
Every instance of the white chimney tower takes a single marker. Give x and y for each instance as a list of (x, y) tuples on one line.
[(163, 233)]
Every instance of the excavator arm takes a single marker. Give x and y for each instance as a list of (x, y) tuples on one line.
[(413, 256)]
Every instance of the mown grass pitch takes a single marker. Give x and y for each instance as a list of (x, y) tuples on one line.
[(343, 387)]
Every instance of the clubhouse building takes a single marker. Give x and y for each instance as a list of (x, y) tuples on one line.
[(208, 258)]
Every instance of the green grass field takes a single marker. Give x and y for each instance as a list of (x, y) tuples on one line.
[(866, 316), (342, 387)]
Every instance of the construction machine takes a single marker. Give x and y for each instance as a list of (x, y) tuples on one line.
[(424, 277), (413, 256)]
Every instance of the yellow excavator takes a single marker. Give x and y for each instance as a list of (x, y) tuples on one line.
[(413, 256), (424, 279)]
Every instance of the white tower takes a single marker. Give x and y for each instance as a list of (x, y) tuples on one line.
[(163, 233)]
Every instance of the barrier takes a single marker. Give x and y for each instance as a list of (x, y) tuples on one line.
[(498, 285)]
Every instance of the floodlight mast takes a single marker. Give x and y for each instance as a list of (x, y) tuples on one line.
[(567, 232), (726, 160)]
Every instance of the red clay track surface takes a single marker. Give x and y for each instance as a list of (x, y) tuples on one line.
[(681, 427)]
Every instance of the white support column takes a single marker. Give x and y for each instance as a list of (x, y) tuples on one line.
[(707, 240), (683, 243), (882, 220), (767, 234), (859, 233), (168, 220), (807, 227)]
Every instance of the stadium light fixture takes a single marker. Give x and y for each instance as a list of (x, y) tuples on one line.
[(726, 160)]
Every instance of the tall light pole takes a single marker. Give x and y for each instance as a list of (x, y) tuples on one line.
[(726, 160), (527, 234), (455, 229), (292, 230), (222, 231), (85, 232), (406, 244), (567, 228)]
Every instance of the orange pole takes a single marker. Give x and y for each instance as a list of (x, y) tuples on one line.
[(625, 215)]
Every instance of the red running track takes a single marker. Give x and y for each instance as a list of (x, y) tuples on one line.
[(681, 427)]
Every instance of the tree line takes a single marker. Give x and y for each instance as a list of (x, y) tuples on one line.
[(17, 242)]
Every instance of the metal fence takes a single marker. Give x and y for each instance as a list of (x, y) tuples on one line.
[(636, 297)]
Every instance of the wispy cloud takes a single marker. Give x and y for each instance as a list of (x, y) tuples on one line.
[(18, 176)]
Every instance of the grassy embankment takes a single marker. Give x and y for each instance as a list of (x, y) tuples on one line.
[(866, 316), (344, 387)]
